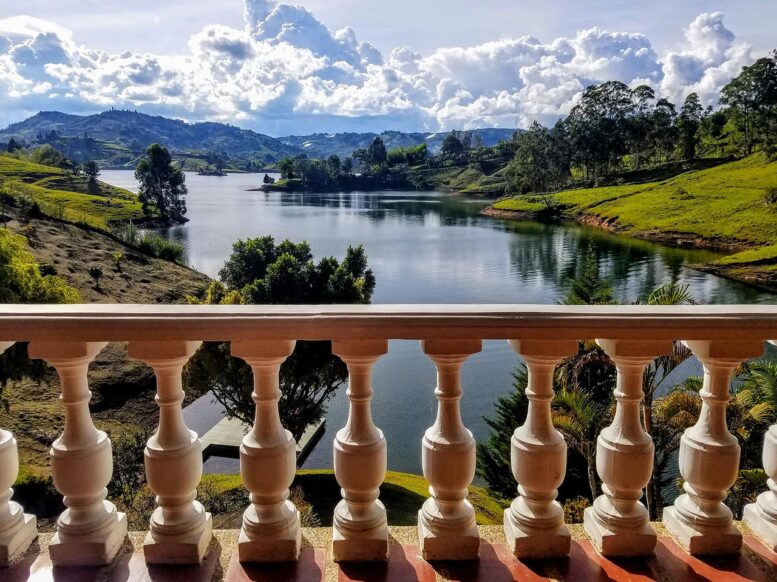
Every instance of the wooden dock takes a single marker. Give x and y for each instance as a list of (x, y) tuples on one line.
[(223, 440)]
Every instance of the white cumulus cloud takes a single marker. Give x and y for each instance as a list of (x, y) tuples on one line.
[(287, 72)]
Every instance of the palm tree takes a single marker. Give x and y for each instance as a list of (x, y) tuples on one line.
[(580, 418), (655, 374)]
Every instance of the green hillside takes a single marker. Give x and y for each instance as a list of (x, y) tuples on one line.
[(66, 196), (724, 207), (118, 138)]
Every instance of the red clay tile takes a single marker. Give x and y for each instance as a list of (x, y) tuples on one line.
[(310, 567), (763, 552), (404, 565), (683, 566)]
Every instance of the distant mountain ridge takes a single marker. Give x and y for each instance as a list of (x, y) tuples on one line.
[(343, 144), (117, 138)]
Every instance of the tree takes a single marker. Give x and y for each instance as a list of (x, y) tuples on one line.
[(539, 164), (286, 168), (91, 170), (268, 179), (347, 167), (688, 123), (376, 152), (751, 98), (47, 155), (161, 184), (493, 456), (95, 273), (452, 148), (261, 271), (334, 166), (13, 146)]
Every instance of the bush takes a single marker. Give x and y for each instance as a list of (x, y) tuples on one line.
[(574, 508), (770, 198), (159, 246)]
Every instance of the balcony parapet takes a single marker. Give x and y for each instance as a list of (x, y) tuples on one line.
[(90, 531)]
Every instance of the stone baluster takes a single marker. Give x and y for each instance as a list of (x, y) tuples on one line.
[(446, 521), (17, 529), (534, 522), (180, 528), (618, 523), (268, 461), (761, 516), (360, 531), (90, 531), (709, 456)]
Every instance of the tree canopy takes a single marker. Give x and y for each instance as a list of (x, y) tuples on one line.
[(161, 184), (261, 271)]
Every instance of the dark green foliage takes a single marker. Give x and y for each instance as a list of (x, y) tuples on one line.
[(261, 271), (161, 184), (541, 163), (587, 287), (91, 170), (493, 460), (161, 247), (95, 273)]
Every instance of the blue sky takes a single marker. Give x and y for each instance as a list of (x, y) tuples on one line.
[(335, 65)]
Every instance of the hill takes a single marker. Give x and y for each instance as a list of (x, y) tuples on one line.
[(117, 138), (64, 196), (321, 145), (731, 207)]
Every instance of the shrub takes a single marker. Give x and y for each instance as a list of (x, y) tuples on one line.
[(770, 198), (118, 257), (159, 246), (95, 273), (574, 508)]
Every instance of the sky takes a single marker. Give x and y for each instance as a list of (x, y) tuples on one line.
[(361, 65)]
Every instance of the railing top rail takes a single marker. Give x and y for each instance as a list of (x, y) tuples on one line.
[(126, 322)]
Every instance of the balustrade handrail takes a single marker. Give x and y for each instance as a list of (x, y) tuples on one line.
[(126, 322)]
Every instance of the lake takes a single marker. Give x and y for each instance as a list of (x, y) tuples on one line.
[(428, 247)]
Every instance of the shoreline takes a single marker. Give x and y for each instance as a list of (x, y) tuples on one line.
[(748, 274)]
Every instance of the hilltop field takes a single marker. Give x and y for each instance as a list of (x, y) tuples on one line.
[(65, 196), (731, 207)]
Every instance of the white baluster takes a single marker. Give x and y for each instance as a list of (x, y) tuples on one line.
[(180, 528), (90, 531), (618, 523), (534, 522), (268, 461), (761, 516), (17, 529), (709, 456), (446, 521), (360, 530)]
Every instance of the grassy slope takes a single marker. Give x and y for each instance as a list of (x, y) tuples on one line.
[(51, 186), (723, 206), (401, 493), (123, 389)]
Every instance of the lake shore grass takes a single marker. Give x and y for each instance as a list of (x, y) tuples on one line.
[(723, 208)]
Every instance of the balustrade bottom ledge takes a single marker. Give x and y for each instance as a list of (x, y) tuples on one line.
[(126, 322), (496, 564)]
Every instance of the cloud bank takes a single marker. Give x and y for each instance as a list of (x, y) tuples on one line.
[(286, 72)]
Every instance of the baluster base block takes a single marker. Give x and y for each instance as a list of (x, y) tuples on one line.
[(96, 549), (360, 546), (185, 548), (764, 526), (703, 541), (15, 542), (632, 543), (531, 542), (281, 546), (439, 543)]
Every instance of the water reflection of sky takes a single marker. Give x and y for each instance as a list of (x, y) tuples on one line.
[(430, 248)]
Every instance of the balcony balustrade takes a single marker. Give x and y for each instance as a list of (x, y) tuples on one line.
[(90, 531)]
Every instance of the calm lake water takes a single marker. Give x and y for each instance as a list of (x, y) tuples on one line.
[(428, 247)]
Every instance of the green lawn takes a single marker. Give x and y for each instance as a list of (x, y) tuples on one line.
[(401, 493), (723, 203), (65, 196)]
